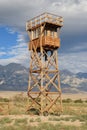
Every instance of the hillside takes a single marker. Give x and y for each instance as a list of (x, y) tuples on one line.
[(14, 77)]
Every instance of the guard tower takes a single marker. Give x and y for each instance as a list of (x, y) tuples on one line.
[(44, 90)]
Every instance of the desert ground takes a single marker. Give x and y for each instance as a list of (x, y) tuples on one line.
[(13, 114), (11, 94)]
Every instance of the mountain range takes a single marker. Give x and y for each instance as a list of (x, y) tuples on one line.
[(14, 77)]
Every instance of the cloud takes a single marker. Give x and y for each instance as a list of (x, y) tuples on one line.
[(10, 30), (75, 62), (18, 53), (74, 14), (74, 6), (2, 53), (81, 48), (15, 13)]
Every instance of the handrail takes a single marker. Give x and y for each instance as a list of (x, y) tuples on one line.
[(45, 17), (44, 14)]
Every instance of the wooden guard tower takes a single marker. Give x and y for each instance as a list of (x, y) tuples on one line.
[(44, 81)]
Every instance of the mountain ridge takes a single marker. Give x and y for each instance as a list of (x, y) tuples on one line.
[(14, 77)]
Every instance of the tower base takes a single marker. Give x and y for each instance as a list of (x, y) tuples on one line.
[(44, 90)]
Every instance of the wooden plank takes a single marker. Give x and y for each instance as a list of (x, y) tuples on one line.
[(46, 41)]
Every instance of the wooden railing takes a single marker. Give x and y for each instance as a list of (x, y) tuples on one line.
[(45, 17)]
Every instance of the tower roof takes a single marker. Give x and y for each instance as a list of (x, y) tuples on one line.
[(44, 18)]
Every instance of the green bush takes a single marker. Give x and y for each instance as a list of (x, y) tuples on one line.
[(33, 111), (86, 101), (68, 100), (20, 98), (4, 99), (38, 120), (31, 120), (20, 127), (83, 118), (20, 121), (5, 120), (78, 101), (54, 119)]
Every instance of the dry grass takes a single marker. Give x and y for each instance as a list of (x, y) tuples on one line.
[(13, 114)]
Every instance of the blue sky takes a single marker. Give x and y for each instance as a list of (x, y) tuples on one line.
[(14, 38), (6, 41)]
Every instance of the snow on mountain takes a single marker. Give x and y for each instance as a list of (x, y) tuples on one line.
[(15, 77)]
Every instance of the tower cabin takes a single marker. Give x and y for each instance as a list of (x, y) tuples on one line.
[(44, 31)]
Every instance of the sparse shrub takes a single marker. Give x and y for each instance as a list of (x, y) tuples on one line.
[(38, 99), (20, 98), (20, 121), (5, 120), (54, 119), (47, 126), (86, 101), (68, 100), (84, 126), (8, 128), (33, 111), (66, 119), (73, 118), (17, 111), (84, 117), (61, 119), (38, 120), (19, 127), (78, 101), (4, 99), (31, 120)]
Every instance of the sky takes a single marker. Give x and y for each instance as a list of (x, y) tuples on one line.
[(14, 39)]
